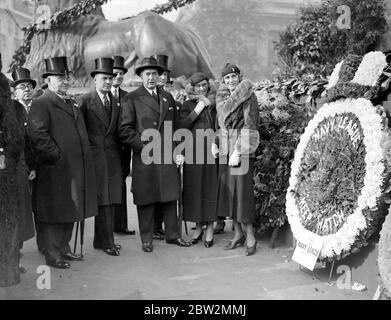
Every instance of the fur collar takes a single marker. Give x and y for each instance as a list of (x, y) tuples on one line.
[(227, 103)]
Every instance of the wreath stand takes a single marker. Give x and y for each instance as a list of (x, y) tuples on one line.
[(379, 293)]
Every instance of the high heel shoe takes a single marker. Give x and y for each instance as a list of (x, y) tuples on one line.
[(251, 250), (198, 239), (208, 244), (233, 244)]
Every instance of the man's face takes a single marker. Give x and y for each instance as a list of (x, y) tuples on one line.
[(201, 87), (24, 91), (231, 80), (150, 78), (119, 78), (163, 78), (59, 84), (103, 82)]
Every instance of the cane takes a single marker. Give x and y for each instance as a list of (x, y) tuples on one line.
[(180, 213), (82, 225), (77, 232)]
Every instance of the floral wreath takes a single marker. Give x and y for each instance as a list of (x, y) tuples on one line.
[(384, 260), (337, 184)]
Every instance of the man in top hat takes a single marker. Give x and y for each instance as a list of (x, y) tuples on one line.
[(121, 211), (101, 111), (155, 186), (23, 87), (66, 185)]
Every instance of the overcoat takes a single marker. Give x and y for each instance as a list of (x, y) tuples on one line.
[(66, 184), (126, 151), (25, 164), (199, 179), (157, 181), (105, 146)]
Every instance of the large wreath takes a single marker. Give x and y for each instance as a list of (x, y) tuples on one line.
[(384, 261), (337, 177)]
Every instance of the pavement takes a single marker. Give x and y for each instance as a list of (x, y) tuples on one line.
[(172, 273)]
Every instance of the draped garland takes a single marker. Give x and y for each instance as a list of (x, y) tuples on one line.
[(67, 16)]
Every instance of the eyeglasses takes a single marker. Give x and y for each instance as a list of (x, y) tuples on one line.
[(24, 87)]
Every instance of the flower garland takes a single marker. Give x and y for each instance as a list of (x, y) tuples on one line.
[(384, 259), (67, 16), (349, 68), (334, 78), (347, 224), (370, 69)]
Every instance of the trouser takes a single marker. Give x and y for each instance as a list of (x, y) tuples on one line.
[(121, 212), (104, 227), (146, 216), (38, 225), (57, 237), (158, 223)]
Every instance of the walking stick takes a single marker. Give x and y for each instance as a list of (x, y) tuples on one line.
[(77, 232), (82, 225), (180, 213)]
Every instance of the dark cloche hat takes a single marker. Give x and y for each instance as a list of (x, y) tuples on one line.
[(103, 65), (198, 77), (229, 68), (57, 66), (21, 75), (119, 63), (162, 60), (149, 63)]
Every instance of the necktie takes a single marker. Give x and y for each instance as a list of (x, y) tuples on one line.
[(107, 106), (154, 95)]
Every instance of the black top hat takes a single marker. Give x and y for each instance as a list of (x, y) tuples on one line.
[(57, 66), (148, 63), (162, 60), (119, 63), (103, 65), (22, 75)]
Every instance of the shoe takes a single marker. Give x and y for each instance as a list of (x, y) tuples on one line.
[(179, 242), (126, 232), (147, 247), (59, 264), (208, 244), (198, 239), (158, 236), (117, 246), (112, 252), (22, 270), (233, 244), (251, 250), (219, 227), (160, 231), (72, 257)]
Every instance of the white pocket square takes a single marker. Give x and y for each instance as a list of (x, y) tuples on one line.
[(170, 108), (164, 99)]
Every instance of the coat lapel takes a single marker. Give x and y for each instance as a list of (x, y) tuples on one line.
[(164, 107), (60, 103), (146, 98), (98, 108), (115, 107)]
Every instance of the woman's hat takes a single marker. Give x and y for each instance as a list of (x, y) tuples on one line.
[(57, 66), (149, 63), (197, 77), (229, 68), (21, 75), (103, 65), (162, 60), (119, 63)]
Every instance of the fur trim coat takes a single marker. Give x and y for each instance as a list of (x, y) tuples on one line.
[(238, 119)]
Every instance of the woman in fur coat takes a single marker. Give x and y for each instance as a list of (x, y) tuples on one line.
[(11, 147), (200, 175), (237, 141)]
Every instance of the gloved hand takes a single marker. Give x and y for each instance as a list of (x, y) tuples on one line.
[(215, 150), (234, 159), (179, 160), (199, 107)]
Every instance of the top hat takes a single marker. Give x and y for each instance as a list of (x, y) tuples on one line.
[(119, 63), (57, 66), (21, 75), (149, 63), (162, 60), (103, 65)]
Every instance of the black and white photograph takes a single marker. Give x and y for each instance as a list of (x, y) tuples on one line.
[(195, 156)]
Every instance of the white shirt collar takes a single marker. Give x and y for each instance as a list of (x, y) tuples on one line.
[(150, 91), (26, 106), (101, 95), (115, 90)]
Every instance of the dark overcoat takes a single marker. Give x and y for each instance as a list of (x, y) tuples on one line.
[(25, 164), (105, 146), (126, 151), (151, 183), (66, 184), (199, 179)]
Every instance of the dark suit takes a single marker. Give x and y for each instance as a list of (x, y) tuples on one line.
[(66, 185), (155, 187), (106, 151), (121, 211)]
